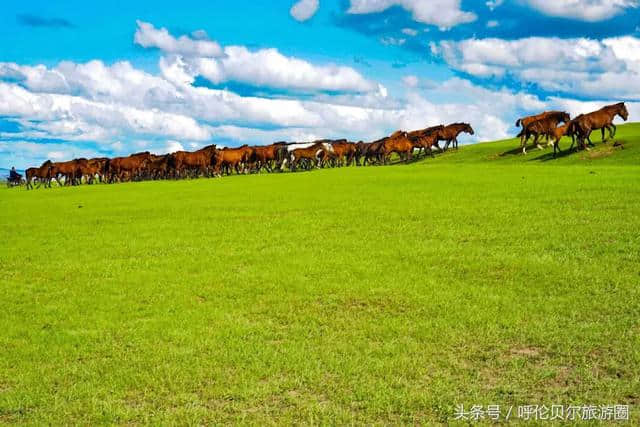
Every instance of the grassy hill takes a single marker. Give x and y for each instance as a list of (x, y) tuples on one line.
[(364, 295)]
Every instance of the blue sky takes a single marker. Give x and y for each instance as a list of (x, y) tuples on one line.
[(81, 79)]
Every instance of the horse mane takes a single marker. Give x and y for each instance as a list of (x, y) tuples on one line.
[(430, 129), (208, 147), (380, 140)]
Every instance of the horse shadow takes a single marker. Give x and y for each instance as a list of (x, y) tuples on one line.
[(513, 152), (548, 156)]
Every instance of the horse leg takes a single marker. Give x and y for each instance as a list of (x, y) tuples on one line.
[(536, 143), (615, 129)]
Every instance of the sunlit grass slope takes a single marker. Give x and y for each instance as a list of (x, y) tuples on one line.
[(365, 295)]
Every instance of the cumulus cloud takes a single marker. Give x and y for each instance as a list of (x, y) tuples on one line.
[(584, 10), (304, 9), (264, 67), (148, 36), (173, 146), (444, 14), (586, 67), (77, 118)]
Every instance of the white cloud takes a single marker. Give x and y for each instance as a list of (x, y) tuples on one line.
[(23, 154), (492, 4), (76, 118), (410, 32), (595, 68), (444, 14), (173, 146), (392, 41), (304, 9), (147, 35), (492, 24), (584, 10), (411, 81), (264, 67), (270, 68)]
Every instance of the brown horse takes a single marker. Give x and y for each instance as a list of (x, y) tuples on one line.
[(266, 156), (602, 119), (41, 174), (558, 133), (184, 163), (370, 152), (158, 167), (425, 139), (343, 152), (130, 167), (451, 132), (524, 121), (543, 127), (229, 159), (398, 143), (70, 170), (99, 167), (312, 156)]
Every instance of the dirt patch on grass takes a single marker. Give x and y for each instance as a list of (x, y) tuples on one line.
[(529, 352), (602, 151), (562, 377)]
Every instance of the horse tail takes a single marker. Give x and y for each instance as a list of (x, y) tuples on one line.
[(518, 122)]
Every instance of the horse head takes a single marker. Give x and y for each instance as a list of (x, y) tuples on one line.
[(468, 129), (622, 111), (399, 134)]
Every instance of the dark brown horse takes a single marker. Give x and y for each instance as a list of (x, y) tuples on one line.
[(425, 139), (184, 163), (451, 132), (158, 167), (130, 167), (98, 166), (542, 127), (583, 125), (41, 174), (524, 121), (370, 152), (70, 170)]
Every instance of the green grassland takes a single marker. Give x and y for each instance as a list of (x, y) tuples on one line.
[(350, 295)]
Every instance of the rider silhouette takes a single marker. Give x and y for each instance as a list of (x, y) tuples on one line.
[(13, 175)]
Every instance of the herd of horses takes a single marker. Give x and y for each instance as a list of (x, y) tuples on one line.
[(213, 161), (547, 125)]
